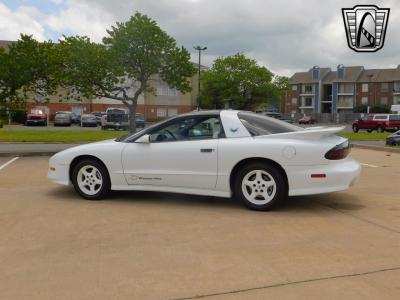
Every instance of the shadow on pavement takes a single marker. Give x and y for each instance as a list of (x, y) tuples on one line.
[(335, 201)]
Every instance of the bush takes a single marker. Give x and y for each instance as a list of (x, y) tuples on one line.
[(379, 109), (1, 124), (18, 116)]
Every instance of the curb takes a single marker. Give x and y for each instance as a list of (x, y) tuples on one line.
[(375, 148), (28, 154)]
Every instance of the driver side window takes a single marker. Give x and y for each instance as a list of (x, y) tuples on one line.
[(191, 128)]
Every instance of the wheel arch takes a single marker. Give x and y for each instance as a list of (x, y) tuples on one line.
[(79, 158), (250, 160)]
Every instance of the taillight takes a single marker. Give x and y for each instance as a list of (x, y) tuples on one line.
[(339, 151)]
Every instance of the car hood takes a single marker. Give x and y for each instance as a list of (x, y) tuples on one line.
[(36, 115)]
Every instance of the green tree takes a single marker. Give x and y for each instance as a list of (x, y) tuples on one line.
[(121, 68), (27, 70), (239, 79)]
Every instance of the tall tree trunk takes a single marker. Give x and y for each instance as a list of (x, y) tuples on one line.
[(132, 117)]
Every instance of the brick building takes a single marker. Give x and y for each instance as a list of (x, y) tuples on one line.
[(321, 90)]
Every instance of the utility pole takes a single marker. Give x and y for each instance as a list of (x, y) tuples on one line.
[(199, 48)]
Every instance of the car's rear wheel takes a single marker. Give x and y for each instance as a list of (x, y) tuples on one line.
[(260, 186), (91, 180), (355, 128), (379, 129)]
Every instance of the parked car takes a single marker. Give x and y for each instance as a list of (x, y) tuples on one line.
[(258, 159), (139, 120), (307, 120), (278, 116), (378, 122), (75, 118), (393, 139), (36, 117), (88, 120), (118, 119), (98, 115), (63, 118)]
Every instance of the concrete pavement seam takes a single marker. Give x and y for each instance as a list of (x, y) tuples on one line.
[(288, 283), (361, 219)]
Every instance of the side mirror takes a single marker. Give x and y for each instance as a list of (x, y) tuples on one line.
[(144, 139)]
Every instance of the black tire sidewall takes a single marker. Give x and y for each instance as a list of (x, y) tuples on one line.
[(281, 186), (105, 188), (355, 128)]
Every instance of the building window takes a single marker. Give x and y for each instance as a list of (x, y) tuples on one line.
[(294, 87), (384, 100), (345, 101), (307, 89), (396, 86), (364, 87), (384, 86), (364, 100), (346, 88), (172, 112), (161, 112), (294, 101), (396, 99), (307, 102), (165, 90)]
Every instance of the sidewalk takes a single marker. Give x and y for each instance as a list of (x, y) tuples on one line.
[(31, 149)]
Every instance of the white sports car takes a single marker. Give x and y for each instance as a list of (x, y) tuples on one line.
[(257, 159)]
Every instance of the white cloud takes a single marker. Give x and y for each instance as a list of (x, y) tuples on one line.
[(23, 20)]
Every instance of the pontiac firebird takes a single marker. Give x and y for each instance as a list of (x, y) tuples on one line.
[(257, 159)]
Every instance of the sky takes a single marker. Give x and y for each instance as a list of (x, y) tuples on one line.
[(284, 36)]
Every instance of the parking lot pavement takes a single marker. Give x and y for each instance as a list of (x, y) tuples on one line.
[(139, 245)]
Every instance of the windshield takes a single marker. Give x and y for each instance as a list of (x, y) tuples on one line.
[(62, 115), (263, 125)]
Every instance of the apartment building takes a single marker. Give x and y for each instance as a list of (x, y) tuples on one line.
[(321, 90)]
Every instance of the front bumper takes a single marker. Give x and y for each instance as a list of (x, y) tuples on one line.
[(58, 173), (340, 175), (36, 122)]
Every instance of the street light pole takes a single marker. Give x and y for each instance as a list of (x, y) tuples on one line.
[(198, 48)]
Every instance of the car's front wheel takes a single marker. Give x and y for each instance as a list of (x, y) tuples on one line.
[(91, 180), (260, 186), (355, 128)]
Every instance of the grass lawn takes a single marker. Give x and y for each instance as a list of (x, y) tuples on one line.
[(67, 136), (365, 136)]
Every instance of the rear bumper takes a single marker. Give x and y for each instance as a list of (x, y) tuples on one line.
[(340, 175)]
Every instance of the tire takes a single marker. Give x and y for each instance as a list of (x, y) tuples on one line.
[(369, 130), (267, 197), (355, 128), (91, 179), (379, 129)]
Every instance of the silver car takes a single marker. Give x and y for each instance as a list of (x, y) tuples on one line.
[(62, 119)]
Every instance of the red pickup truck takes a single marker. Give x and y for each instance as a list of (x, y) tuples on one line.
[(36, 117), (378, 122)]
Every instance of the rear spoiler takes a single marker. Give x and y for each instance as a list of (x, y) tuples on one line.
[(315, 133)]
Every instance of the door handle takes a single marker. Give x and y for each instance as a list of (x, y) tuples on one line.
[(207, 150)]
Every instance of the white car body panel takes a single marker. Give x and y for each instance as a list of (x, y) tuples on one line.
[(181, 167)]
